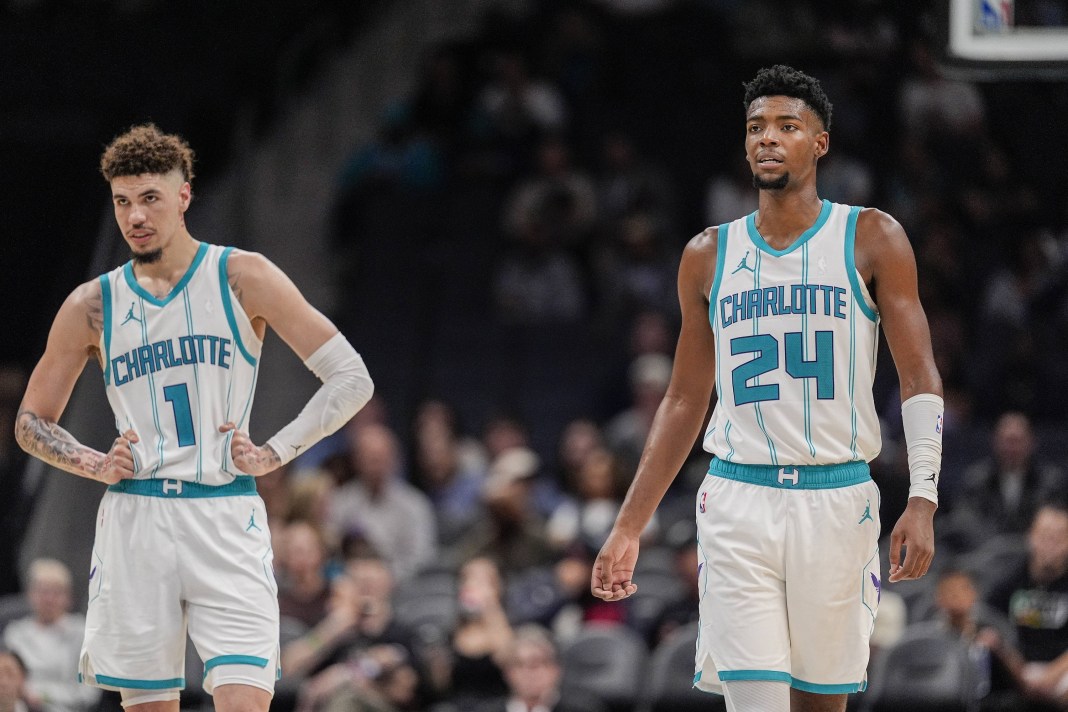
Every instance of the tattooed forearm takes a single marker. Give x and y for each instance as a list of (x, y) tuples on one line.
[(51, 443)]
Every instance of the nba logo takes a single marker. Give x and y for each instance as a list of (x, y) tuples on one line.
[(995, 15), (701, 506), (938, 425)]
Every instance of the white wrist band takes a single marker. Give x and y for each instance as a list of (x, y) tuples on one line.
[(346, 388), (921, 417)]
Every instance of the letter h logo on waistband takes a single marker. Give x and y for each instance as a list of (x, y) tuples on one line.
[(788, 473), (172, 487)]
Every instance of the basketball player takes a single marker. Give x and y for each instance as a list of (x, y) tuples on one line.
[(181, 536), (780, 312)]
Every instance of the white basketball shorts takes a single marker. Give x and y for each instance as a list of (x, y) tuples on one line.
[(172, 556), (789, 575)]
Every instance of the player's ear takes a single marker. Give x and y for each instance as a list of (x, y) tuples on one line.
[(823, 144), (185, 196)]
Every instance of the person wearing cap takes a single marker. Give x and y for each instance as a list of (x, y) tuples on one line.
[(511, 534)]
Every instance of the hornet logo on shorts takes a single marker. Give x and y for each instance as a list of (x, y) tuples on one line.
[(878, 587), (702, 506)]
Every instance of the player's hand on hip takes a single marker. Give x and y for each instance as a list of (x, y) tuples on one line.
[(248, 457), (614, 568), (118, 463), (914, 531)]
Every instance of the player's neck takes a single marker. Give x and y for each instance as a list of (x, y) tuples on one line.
[(782, 215)]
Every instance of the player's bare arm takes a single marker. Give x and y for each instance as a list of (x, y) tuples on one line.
[(270, 298), (888, 265), (675, 427), (73, 339)]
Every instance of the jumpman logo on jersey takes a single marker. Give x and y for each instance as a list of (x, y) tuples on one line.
[(130, 316), (742, 265), (933, 477), (867, 514), (252, 522)]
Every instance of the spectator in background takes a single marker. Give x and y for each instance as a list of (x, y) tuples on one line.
[(1002, 492), (482, 636), (532, 671), (636, 269), (514, 109), (587, 518), (12, 683), (454, 492), (50, 642), (729, 195), (627, 431), (558, 199), (395, 517), (379, 679), (303, 590), (1035, 598), (578, 440), (511, 535), (931, 104), (627, 186), (359, 614), (985, 631)]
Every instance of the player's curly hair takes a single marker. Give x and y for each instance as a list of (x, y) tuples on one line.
[(782, 80), (146, 149)]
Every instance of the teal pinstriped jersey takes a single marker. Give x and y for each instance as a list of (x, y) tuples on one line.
[(796, 338), (177, 368)]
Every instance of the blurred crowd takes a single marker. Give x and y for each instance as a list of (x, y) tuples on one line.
[(436, 554)]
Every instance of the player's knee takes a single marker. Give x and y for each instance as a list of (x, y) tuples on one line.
[(149, 700), (237, 690)]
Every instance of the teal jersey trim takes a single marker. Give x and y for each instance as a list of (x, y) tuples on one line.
[(845, 474), (851, 263), (131, 279), (243, 485), (721, 256), (845, 689), (758, 675), (228, 307), (758, 239), (234, 660), (105, 296), (174, 682)]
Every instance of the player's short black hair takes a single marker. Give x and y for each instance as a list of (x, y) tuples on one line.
[(782, 80)]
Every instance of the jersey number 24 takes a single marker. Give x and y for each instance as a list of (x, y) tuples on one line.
[(766, 348)]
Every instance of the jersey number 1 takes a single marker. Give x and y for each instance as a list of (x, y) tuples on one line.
[(766, 348), (178, 396)]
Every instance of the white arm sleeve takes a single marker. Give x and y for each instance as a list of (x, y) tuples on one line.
[(346, 388), (921, 418)]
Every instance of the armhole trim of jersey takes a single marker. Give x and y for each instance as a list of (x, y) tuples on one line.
[(105, 298), (851, 263), (228, 307), (721, 255)]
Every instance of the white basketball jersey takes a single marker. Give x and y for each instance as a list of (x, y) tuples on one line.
[(177, 368), (796, 340)]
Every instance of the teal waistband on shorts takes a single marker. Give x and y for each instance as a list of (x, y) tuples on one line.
[(843, 474), (243, 485)]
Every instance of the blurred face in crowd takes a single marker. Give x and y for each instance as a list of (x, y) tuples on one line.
[(956, 595), (532, 672), (1013, 441), (376, 455), (1048, 542), (783, 139), (49, 595), (303, 551)]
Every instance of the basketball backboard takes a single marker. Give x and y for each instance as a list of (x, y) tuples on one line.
[(1005, 39)]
